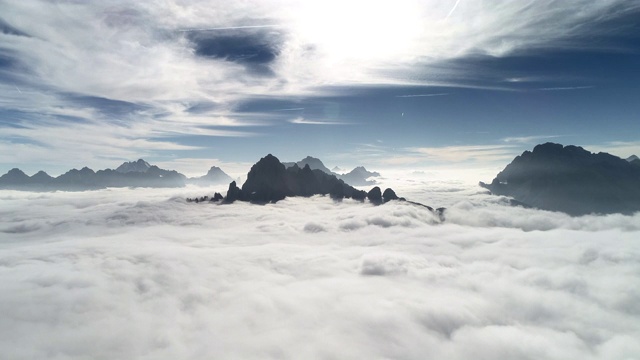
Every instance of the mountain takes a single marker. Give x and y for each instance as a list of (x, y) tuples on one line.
[(74, 179), (14, 178), (42, 178), (356, 177), (570, 179), (134, 166), (359, 176), (87, 179), (337, 170), (314, 164), (215, 175), (634, 160), (269, 180)]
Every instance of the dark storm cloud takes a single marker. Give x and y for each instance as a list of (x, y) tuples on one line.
[(255, 49)]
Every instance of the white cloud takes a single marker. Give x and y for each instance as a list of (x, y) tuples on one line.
[(531, 139), (567, 88), (303, 121), (421, 95), (313, 278)]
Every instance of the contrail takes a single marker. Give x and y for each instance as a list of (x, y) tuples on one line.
[(233, 27), (421, 95), (567, 88), (17, 88), (452, 9)]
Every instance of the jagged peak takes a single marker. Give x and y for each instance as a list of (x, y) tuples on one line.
[(139, 165)]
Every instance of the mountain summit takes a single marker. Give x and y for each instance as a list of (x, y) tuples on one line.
[(634, 160), (134, 166), (570, 179), (356, 177), (214, 176)]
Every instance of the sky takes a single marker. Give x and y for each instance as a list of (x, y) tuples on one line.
[(386, 84), (142, 274)]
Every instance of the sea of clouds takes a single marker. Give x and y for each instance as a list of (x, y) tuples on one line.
[(142, 274)]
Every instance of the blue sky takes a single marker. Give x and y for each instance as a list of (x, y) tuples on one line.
[(408, 84)]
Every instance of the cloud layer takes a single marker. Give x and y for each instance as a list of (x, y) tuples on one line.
[(121, 273)]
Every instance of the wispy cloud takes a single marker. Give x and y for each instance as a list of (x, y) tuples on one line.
[(143, 55), (482, 153), (567, 88), (303, 121), (530, 139), (622, 149), (421, 95), (290, 109), (234, 27), (452, 9)]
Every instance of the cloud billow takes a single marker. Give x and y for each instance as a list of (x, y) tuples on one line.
[(312, 277)]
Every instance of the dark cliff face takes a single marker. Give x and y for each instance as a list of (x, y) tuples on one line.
[(266, 181), (570, 179), (269, 181)]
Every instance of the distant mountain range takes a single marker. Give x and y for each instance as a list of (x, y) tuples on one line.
[(572, 180), (130, 174), (142, 174), (356, 177)]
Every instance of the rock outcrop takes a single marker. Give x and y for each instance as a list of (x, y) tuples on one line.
[(233, 193), (269, 181), (375, 195), (389, 195), (570, 179)]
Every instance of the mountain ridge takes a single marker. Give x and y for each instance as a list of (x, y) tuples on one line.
[(570, 179)]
